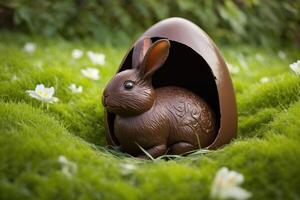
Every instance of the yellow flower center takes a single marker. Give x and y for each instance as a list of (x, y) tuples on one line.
[(43, 93)]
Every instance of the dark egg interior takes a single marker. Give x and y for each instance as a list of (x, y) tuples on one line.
[(184, 68)]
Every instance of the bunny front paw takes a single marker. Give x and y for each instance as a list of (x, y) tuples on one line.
[(155, 152)]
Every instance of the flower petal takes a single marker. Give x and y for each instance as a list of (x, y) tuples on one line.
[(39, 87), (296, 67), (91, 73), (29, 47), (96, 58), (50, 91), (76, 53), (29, 91), (222, 173), (80, 89), (72, 86), (219, 181), (233, 178), (234, 193), (33, 94)]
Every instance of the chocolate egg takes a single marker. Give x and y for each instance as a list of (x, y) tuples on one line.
[(195, 64)]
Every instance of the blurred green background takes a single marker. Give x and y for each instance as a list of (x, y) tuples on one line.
[(260, 22)]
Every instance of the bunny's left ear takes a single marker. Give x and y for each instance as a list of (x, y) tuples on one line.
[(140, 51), (155, 57)]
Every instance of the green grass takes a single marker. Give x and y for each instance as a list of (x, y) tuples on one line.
[(32, 137)]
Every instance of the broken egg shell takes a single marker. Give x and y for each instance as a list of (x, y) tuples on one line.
[(196, 64)]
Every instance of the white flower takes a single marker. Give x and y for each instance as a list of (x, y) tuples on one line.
[(75, 89), (233, 69), (264, 79), (226, 185), (296, 67), (91, 73), (259, 57), (43, 94), (14, 77), (127, 168), (76, 53), (281, 55), (96, 58), (68, 167), (29, 47)]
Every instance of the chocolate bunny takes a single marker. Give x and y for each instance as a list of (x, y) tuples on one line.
[(169, 120)]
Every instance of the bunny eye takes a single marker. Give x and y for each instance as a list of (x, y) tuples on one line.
[(128, 85)]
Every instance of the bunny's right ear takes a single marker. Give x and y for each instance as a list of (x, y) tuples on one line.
[(140, 51)]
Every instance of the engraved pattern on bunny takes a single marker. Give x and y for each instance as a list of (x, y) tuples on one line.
[(207, 124), (194, 116), (167, 119), (187, 115)]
